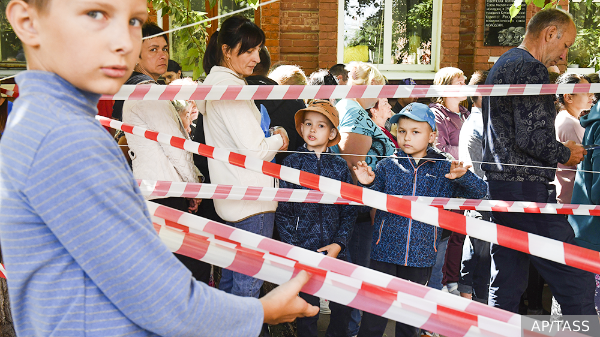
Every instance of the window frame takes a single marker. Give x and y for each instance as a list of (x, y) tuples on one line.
[(399, 71)]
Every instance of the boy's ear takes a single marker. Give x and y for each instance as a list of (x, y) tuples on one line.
[(22, 18), (432, 136), (332, 134)]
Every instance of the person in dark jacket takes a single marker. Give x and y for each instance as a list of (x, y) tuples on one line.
[(282, 111), (402, 247), (318, 227), (521, 154)]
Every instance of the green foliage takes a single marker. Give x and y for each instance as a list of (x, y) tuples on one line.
[(586, 50), (189, 44), (10, 45)]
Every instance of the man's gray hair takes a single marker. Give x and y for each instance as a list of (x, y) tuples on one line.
[(547, 18)]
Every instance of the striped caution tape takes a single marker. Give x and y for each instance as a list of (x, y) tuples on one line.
[(152, 188), (333, 279), (277, 92), (528, 243)]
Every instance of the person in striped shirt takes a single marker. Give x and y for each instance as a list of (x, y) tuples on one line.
[(81, 253)]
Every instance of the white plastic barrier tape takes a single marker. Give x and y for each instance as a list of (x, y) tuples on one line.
[(333, 279), (528, 243), (266, 92), (152, 188)]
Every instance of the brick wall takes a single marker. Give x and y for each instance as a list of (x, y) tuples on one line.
[(302, 33), (269, 22)]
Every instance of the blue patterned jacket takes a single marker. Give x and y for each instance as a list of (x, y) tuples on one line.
[(312, 226), (520, 129), (400, 240)]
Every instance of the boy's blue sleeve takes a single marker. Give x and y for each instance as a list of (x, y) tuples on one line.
[(347, 215), (469, 186), (78, 188), (285, 218)]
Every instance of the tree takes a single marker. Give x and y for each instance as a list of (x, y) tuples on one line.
[(190, 43)]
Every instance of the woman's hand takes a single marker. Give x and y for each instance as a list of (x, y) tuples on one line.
[(286, 140), (332, 250), (283, 303), (364, 173), (457, 170)]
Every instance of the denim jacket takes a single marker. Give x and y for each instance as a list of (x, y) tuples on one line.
[(312, 226), (400, 240)]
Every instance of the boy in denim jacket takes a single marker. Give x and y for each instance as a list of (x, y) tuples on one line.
[(318, 227), (402, 247)]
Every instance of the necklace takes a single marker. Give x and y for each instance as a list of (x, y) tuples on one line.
[(521, 46)]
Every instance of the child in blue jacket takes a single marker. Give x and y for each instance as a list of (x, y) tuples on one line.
[(318, 227), (402, 247)]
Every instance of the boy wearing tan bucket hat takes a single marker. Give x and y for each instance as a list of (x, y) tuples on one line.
[(318, 227), (317, 124)]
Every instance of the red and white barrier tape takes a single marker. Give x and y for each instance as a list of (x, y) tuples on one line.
[(528, 243), (333, 279), (2, 271), (265, 92), (276, 92), (152, 188)]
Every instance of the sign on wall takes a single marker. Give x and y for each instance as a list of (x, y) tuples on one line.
[(498, 29)]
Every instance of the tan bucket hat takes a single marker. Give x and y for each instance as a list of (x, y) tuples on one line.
[(325, 108)]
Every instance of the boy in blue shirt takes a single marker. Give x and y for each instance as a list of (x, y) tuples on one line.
[(318, 227), (80, 249), (402, 247)]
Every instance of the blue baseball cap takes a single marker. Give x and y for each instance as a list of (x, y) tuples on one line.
[(418, 112)]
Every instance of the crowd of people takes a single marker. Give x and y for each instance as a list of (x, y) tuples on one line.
[(503, 148)]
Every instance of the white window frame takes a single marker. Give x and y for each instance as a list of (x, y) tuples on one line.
[(399, 71)]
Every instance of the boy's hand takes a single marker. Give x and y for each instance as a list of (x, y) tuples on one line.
[(457, 170), (364, 173), (332, 250), (283, 303)]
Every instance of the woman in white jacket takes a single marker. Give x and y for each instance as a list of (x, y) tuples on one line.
[(155, 161), (230, 56)]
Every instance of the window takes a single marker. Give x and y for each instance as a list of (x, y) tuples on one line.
[(585, 52), (11, 51), (396, 35)]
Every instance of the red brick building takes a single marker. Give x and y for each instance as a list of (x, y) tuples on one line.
[(307, 33)]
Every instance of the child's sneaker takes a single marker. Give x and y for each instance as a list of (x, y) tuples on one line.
[(425, 333), (324, 305)]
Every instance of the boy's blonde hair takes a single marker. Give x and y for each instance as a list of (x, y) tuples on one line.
[(361, 73), (444, 77), (40, 5), (288, 75)]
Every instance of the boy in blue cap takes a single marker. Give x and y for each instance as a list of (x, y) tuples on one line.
[(402, 247), (81, 253)]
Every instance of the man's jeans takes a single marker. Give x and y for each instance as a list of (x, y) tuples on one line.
[(435, 281), (240, 284), (573, 288)]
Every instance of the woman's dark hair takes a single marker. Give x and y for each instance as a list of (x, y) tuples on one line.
[(322, 77), (237, 30), (151, 29), (568, 79)]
